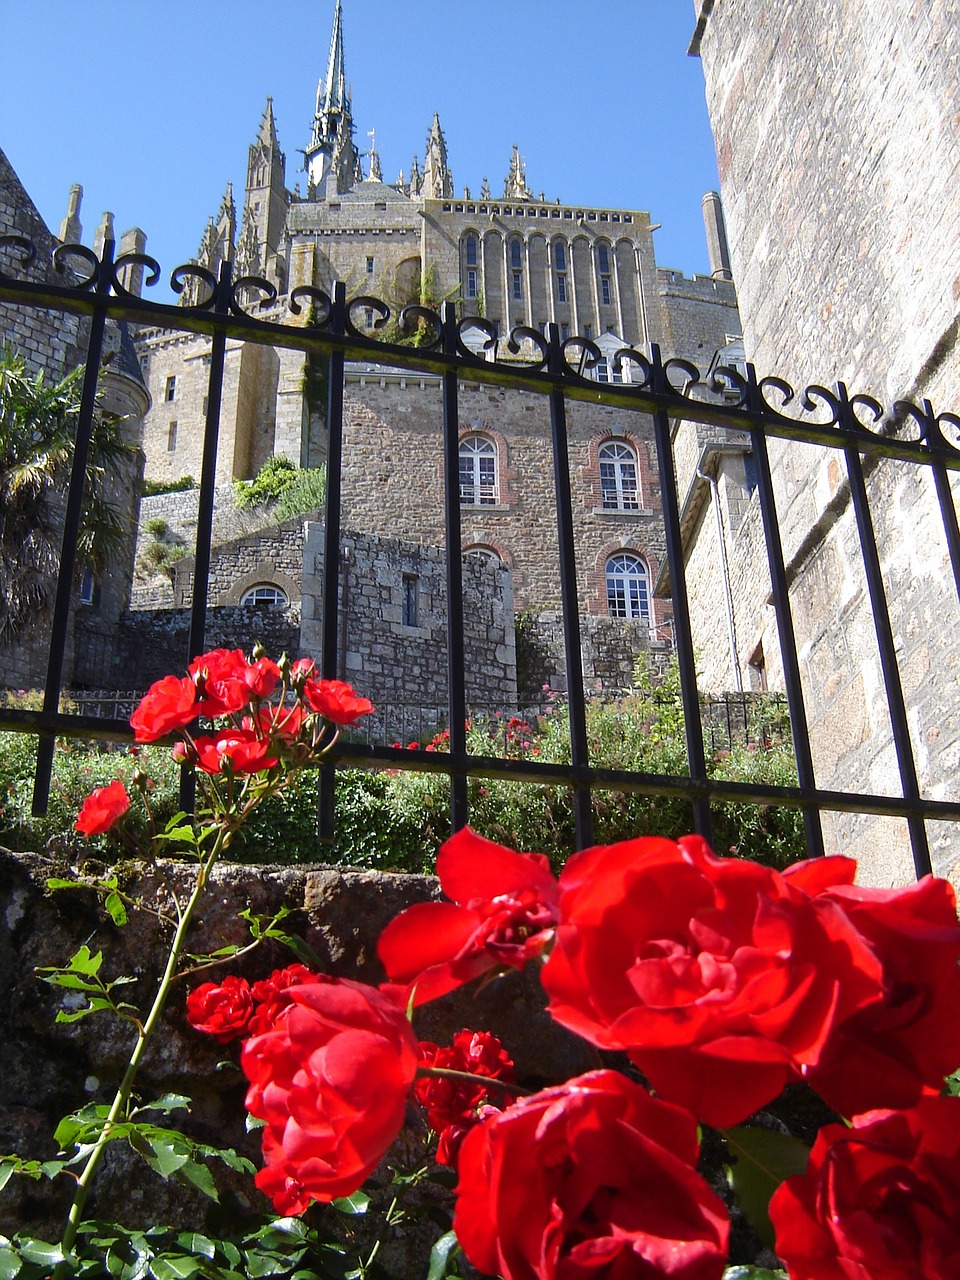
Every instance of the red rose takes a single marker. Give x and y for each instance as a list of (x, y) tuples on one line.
[(594, 1178), (719, 979), (503, 912), (884, 1054), (270, 994), (102, 808), (169, 704), (221, 1009), (878, 1201), (229, 682), (336, 701), (239, 750), (453, 1106), (331, 1081)]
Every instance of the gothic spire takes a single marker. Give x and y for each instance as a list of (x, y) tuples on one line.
[(268, 129), (437, 178), (515, 185), (331, 154)]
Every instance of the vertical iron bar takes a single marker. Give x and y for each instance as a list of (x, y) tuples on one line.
[(579, 748), (683, 634), (330, 583), (208, 481), (71, 528), (812, 827), (888, 653), (456, 654)]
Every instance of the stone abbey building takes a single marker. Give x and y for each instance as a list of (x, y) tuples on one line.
[(514, 258)]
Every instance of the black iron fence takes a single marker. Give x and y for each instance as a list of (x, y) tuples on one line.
[(734, 399)]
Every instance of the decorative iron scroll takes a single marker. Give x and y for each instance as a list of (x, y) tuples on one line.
[(744, 399)]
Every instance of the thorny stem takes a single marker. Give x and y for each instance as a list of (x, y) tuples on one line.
[(120, 1101), (470, 1078)]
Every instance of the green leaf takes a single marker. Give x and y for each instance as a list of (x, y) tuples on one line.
[(199, 1176), (47, 1255), (753, 1273), (173, 1268), (355, 1205), (56, 883), (762, 1160), (168, 1102), (10, 1264), (159, 1152), (115, 908), (440, 1256), (95, 1004), (196, 1244)]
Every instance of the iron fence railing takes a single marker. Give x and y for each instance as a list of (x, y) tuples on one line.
[(734, 399)]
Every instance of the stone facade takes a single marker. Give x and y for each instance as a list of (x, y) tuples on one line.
[(839, 160), (516, 258), (54, 343)]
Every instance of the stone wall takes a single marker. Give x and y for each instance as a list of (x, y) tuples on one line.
[(842, 114), (51, 1069)]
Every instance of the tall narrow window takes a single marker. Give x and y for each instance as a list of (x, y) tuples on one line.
[(170, 389), (409, 604), (605, 290), (603, 259), (619, 490), (171, 437), (560, 256), (561, 288), (516, 252), (369, 266), (518, 284), (471, 283), (478, 471), (471, 250), (628, 587)]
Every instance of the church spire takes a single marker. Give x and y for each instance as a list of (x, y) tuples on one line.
[(437, 178), (515, 185), (331, 155)]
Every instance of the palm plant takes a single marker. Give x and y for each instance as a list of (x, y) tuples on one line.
[(38, 422)]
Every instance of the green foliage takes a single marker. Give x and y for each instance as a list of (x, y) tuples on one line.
[(157, 527), (38, 424), (760, 1159), (152, 488), (290, 490)]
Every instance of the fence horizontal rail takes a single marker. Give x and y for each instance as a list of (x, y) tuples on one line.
[(465, 350)]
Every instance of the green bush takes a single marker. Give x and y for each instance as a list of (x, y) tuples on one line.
[(151, 488), (396, 820), (292, 489)]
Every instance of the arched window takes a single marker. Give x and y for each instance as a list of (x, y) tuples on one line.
[(628, 587), (486, 554), (471, 251), (619, 490), (471, 274), (516, 270), (263, 593), (603, 273), (478, 471), (559, 255), (516, 254)]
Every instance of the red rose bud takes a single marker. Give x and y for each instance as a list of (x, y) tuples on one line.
[(230, 683), (503, 914), (221, 1010), (592, 1178), (102, 808), (169, 704), (331, 1080), (878, 1200), (720, 980), (336, 701)]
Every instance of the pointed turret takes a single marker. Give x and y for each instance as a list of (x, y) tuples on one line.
[(416, 179), (515, 184), (265, 203), (70, 228), (376, 171), (331, 158), (437, 178)]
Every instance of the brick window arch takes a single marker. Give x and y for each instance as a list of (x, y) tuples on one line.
[(628, 586), (619, 476), (479, 471)]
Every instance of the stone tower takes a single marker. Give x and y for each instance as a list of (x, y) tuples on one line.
[(437, 179), (332, 160), (265, 205)]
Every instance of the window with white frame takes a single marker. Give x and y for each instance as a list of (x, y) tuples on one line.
[(619, 489), (170, 388), (263, 593), (478, 471), (561, 288), (628, 587), (471, 283)]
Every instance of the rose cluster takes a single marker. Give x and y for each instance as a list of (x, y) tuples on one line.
[(255, 713)]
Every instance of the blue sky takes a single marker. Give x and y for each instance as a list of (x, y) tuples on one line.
[(151, 104)]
